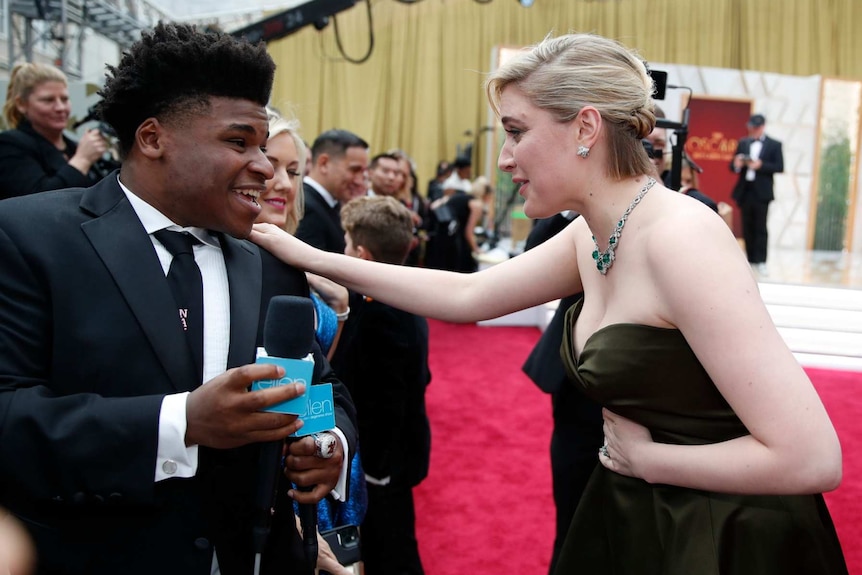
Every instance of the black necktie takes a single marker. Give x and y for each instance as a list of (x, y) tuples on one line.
[(184, 277)]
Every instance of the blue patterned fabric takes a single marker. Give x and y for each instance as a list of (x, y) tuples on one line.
[(327, 323), (332, 513)]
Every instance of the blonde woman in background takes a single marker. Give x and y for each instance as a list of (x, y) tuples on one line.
[(35, 154), (282, 205)]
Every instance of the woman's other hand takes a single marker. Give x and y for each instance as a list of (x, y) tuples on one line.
[(335, 295), (623, 441)]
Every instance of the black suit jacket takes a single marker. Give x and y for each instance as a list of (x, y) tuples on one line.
[(29, 163), (544, 365), (320, 225), (89, 346), (763, 184), (386, 370)]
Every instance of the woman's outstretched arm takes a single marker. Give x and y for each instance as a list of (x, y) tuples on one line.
[(530, 279)]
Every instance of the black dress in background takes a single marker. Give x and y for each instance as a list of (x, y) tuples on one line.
[(448, 248)]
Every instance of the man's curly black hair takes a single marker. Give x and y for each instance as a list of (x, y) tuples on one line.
[(173, 71)]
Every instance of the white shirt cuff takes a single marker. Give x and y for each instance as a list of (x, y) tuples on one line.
[(173, 458), (341, 487)]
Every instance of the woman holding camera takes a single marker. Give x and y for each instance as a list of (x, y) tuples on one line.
[(35, 154)]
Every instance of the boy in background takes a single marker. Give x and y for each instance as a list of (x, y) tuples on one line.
[(386, 371)]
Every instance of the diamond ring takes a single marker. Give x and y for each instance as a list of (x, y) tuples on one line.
[(603, 450)]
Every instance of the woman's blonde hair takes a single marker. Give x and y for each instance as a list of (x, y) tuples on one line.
[(278, 124), (562, 75), (22, 81), (481, 187)]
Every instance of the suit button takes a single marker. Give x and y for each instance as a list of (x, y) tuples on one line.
[(202, 543), (169, 467), (79, 498), (98, 499), (58, 499), (115, 497)]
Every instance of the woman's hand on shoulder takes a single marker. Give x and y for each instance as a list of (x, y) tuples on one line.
[(282, 245)]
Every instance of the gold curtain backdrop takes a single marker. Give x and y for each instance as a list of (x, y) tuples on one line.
[(421, 87)]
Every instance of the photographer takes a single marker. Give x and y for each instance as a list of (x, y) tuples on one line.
[(35, 154), (757, 159)]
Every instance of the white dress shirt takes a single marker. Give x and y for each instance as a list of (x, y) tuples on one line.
[(754, 154), (173, 457), (321, 190)]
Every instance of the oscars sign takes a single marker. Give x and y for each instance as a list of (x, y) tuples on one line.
[(715, 127)]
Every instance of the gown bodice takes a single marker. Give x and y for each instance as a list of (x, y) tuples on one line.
[(626, 526)]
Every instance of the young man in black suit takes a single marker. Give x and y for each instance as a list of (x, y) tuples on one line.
[(757, 158), (122, 448), (339, 167), (386, 370)]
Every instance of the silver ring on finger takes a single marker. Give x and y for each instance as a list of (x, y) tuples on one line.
[(324, 445), (604, 451)]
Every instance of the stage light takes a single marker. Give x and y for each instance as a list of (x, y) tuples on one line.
[(525, 3)]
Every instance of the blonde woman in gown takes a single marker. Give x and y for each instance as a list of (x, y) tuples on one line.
[(717, 446)]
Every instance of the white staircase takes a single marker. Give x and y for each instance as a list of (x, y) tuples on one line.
[(821, 325)]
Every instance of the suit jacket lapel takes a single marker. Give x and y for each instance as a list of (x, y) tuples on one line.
[(127, 251), (244, 277), (332, 216)]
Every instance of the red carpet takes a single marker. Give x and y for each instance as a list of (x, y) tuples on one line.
[(840, 392), (486, 506)]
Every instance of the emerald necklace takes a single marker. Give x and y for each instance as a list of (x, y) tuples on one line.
[(604, 260)]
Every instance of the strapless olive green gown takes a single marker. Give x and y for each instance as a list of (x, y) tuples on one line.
[(625, 526)]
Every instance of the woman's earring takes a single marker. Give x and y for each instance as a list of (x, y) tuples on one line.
[(583, 151)]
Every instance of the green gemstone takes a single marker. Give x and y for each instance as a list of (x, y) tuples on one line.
[(613, 240), (595, 254)]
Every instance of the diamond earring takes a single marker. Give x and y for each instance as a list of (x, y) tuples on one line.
[(583, 151)]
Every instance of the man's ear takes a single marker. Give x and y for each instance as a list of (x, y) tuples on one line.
[(149, 138), (589, 126), (322, 162), (364, 253)]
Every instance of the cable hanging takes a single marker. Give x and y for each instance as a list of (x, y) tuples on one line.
[(370, 38)]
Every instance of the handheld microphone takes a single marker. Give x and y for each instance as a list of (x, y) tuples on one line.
[(288, 332)]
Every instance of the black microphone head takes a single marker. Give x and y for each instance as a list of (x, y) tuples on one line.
[(288, 330)]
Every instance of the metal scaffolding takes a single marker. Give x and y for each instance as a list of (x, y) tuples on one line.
[(60, 25)]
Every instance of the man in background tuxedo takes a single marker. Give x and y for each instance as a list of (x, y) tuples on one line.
[(129, 441), (339, 167), (756, 159), (577, 434)]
